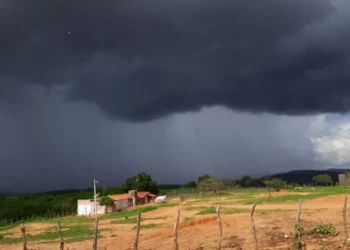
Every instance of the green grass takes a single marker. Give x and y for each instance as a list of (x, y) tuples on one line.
[(229, 210), (212, 210), (133, 220), (5, 234), (71, 220), (64, 220), (224, 203), (129, 213), (148, 226), (134, 212), (67, 221), (187, 219), (323, 229), (192, 208), (156, 218), (314, 193), (5, 240), (279, 199), (9, 226), (72, 232), (79, 239), (246, 196), (230, 198), (272, 210), (208, 210), (77, 231)]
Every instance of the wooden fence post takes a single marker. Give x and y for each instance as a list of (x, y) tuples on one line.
[(176, 226), (94, 246), (136, 242), (344, 218), (298, 244), (220, 226), (60, 235), (252, 222), (23, 230)]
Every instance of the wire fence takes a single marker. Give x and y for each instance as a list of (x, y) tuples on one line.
[(48, 216), (297, 240)]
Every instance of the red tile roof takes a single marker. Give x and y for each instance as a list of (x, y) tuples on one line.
[(140, 195), (119, 197)]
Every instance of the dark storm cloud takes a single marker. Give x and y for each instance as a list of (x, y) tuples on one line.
[(140, 60), (47, 143)]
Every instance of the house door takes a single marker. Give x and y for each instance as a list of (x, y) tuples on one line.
[(84, 210)]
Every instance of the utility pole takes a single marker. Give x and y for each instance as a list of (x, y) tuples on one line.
[(95, 197)]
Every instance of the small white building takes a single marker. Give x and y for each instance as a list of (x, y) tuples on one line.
[(121, 202), (160, 199), (87, 208)]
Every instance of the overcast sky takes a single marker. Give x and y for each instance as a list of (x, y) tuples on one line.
[(105, 89)]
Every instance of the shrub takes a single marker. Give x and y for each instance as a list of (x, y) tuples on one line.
[(106, 201)]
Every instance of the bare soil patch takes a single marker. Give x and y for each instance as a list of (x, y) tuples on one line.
[(274, 229), (281, 193)]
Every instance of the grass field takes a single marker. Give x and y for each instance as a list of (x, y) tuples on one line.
[(275, 219)]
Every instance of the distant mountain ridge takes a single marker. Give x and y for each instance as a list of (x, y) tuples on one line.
[(340, 170), (305, 176), (294, 176)]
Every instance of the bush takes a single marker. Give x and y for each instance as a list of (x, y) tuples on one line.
[(106, 201), (275, 184), (211, 184), (324, 229), (328, 229)]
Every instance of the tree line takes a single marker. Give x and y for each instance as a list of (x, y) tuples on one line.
[(60, 203)]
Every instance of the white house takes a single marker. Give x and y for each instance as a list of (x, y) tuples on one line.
[(87, 207), (121, 202)]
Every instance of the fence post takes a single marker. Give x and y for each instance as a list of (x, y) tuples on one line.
[(220, 226), (176, 226), (298, 244), (344, 218), (252, 223), (60, 235), (94, 247), (23, 230), (136, 242)]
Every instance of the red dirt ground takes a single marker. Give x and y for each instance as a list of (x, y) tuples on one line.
[(273, 229)]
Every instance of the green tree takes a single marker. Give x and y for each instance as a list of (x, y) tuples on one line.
[(293, 185), (347, 175), (275, 185), (106, 201), (191, 184), (211, 184), (203, 177), (229, 184), (246, 181), (141, 182), (323, 179)]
